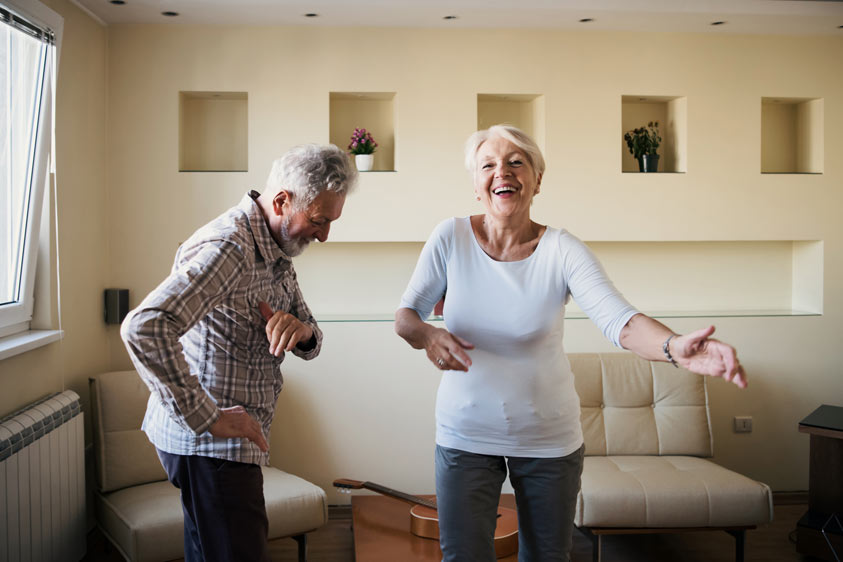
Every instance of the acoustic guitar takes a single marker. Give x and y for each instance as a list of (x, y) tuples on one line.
[(424, 519)]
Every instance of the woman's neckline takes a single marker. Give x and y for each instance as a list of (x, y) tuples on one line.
[(542, 231)]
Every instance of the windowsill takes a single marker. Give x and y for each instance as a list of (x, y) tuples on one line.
[(27, 341)]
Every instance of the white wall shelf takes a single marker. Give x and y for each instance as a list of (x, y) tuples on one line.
[(579, 315), (373, 111), (681, 279), (213, 132), (792, 138), (671, 113), (525, 111)]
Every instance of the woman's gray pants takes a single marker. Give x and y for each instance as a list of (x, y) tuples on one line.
[(468, 488)]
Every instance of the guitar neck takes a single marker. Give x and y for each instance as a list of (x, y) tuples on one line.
[(399, 495)]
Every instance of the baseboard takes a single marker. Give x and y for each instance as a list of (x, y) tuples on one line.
[(339, 512), (790, 498)]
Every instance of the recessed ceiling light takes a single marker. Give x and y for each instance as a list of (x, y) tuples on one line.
[(118, 2), (311, 15), (718, 22), (450, 17), (170, 14), (586, 20)]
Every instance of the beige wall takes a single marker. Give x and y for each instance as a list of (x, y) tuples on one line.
[(766, 241), (369, 397), (81, 138)]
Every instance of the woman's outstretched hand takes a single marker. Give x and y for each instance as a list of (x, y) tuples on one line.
[(701, 354)]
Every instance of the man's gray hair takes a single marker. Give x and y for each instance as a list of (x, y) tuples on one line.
[(514, 135), (309, 169)]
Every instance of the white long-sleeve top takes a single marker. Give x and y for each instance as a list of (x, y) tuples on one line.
[(518, 396)]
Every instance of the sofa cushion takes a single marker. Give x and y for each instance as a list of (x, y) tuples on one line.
[(668, 492), (146, 522), (125, 457), (293, 505), (630, 406)]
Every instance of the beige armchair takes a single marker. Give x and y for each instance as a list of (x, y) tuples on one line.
[(139, 511), (647, 429)]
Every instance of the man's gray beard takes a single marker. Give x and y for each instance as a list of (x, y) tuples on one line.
[(291, 247)]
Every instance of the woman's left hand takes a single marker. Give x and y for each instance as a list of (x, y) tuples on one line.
[(701, 354)]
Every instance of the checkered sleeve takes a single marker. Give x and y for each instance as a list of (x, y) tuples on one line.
[(151, 332), (300, 310)]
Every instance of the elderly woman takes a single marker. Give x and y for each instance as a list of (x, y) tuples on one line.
[(507, 399)]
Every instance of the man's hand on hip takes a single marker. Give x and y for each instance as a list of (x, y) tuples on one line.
[(283, 330), (236, 422)]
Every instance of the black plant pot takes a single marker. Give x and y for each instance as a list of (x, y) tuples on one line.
[(648, 163)]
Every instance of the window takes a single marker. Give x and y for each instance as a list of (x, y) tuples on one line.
[(27, 51)]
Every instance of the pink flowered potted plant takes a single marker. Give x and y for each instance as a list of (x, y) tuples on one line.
[(362, 146)]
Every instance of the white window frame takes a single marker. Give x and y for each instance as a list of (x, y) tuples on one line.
[(16, 334)]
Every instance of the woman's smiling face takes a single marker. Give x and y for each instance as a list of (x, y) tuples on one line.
[(504, 179)]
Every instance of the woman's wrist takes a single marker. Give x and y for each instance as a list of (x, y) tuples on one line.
[(666, 350)]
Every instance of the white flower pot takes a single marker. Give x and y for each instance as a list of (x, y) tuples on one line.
[(364, 161)]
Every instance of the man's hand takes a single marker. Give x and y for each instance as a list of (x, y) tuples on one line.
[(284, 331), (236, 422)]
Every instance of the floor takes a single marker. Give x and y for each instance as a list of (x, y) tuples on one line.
[(771, 543)]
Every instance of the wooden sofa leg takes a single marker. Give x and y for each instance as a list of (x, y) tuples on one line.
[(740, 538), (302, 540)]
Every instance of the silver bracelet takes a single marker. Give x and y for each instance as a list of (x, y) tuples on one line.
[(666, 349)]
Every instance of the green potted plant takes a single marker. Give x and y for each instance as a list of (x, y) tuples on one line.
[(643, 143), (362, 146)]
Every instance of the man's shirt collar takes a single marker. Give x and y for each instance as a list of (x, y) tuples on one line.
[(264, 242)]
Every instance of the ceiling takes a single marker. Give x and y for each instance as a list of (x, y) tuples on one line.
[(814, 17)]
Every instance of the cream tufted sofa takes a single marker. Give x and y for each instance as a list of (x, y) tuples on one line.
[(140, 511), (647, 429)]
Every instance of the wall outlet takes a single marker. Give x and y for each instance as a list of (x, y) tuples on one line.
[(743, 424)]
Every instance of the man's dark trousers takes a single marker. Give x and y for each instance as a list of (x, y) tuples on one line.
[(224, 509)]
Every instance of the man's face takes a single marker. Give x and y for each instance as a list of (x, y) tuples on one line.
[(299, 227)]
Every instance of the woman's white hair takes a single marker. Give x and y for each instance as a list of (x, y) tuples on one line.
[(309, 169), (514, 135)]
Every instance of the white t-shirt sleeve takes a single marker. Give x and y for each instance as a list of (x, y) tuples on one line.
[(429, 280), (594, 292)]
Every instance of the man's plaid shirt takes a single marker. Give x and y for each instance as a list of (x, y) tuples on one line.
[(199, 341)]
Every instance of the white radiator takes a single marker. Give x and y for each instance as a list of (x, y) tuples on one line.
[(42, 482)]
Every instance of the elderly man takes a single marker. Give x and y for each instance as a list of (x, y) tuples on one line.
[(199, 341)]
